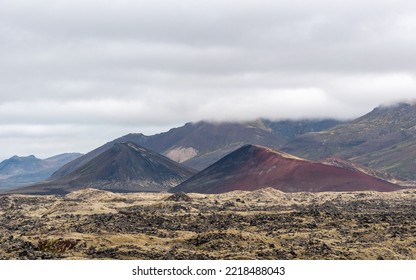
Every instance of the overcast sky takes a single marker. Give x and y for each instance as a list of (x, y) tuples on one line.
[(76, 74)]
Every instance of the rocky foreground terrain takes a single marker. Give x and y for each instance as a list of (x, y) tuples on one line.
[(263, 224)]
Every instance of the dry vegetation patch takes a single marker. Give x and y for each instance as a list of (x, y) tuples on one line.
[(264, 224)]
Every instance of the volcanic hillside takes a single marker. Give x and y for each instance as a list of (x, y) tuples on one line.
[(126, 167), (384, 139), (254, 167), (200, 144)]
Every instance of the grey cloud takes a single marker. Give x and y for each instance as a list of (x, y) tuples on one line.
[(149, 65)]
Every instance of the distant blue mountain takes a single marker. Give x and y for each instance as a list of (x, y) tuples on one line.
[(20, 171)]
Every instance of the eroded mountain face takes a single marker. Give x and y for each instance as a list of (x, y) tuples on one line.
[(384, 139), (200, 144)]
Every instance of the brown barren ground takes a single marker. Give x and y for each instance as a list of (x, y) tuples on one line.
[(263, 224)]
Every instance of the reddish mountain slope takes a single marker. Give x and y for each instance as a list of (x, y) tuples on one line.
[(254, 167)]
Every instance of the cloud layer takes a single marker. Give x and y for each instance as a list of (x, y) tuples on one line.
[(74, 74)]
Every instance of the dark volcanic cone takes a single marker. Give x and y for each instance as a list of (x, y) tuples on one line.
[(126, 167), (254, 167)]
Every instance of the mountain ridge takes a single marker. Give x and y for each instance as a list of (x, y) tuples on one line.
[(200, 144), (125, 167), (383, 139), (19, 171)]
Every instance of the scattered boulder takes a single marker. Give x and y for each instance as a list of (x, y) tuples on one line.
[(178, 197)]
